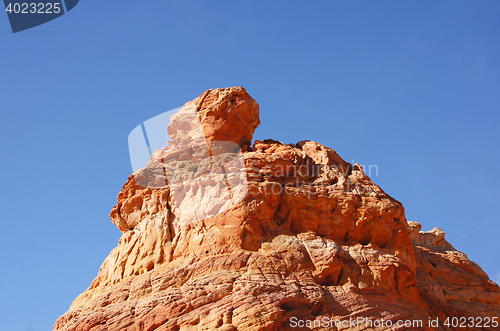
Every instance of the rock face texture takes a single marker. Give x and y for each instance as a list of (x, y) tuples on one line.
[(312, 240)]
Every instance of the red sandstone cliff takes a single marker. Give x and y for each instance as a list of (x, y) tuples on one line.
[(313, 238)]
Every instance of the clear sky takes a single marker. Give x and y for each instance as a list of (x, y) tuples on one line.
[(412, 87)]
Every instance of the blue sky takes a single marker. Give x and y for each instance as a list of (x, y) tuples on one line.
[(411, 87)]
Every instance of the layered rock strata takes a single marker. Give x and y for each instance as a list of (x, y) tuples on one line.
[(313, 239)]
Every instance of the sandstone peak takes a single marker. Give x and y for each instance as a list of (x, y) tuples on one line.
[(311, 239), (229, 114)]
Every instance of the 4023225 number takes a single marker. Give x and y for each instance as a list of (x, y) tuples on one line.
[(471, 322), (33, 8)]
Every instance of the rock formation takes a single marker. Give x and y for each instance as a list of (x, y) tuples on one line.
[(313, 239)]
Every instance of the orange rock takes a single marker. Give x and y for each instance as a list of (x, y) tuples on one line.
[(314, 239), (225, 115)]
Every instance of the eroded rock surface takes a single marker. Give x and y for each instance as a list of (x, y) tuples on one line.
[(313, 239)]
